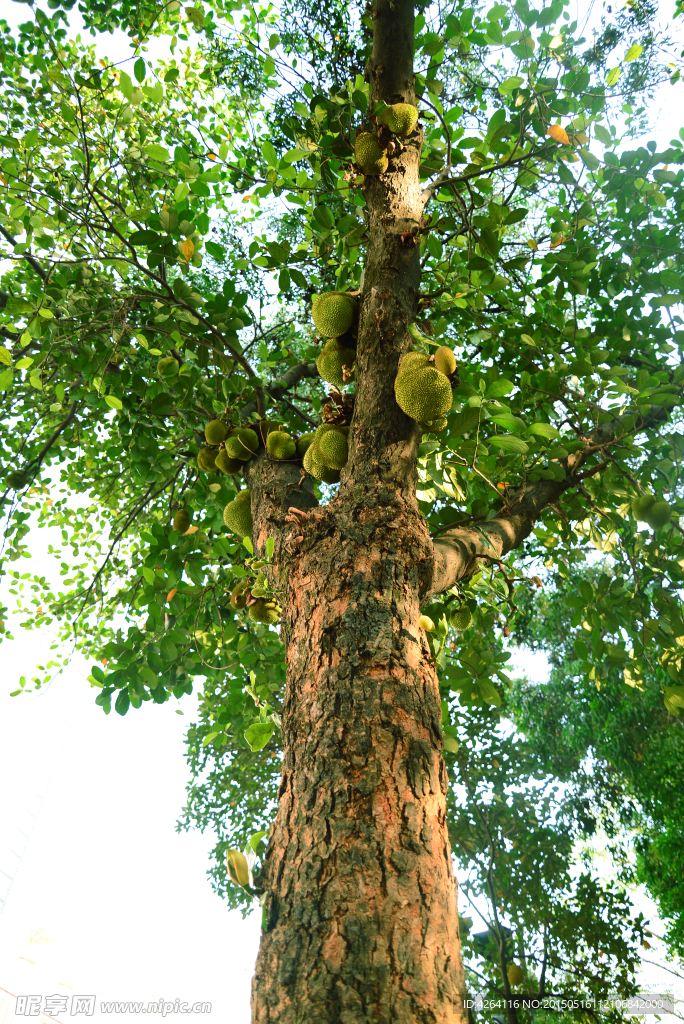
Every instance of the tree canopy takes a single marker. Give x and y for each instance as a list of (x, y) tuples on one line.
[(165, 225)]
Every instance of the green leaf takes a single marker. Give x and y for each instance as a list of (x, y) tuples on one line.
[(5, 356), (157, 152), (113, 402), (507, 443), (6, 378), (123, 702), (603, 135), (543, 430), (139, 69), (489, 692), (258, 734), (269, 153), (508, 421), (499, 388), (215, 250), (589, 160), (510, 84), (270, 544), (255, 839), (148, 574), (613, 75), (634, 52)]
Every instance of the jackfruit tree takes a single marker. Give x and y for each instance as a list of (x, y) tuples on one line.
[(382, 307)]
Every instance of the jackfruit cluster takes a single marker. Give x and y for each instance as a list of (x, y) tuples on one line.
[(264, 610), (371, 158), (400, 118), (646, 509), (423, 391), (280, 445), (332, 360), (333, 313), (181, 521), (237, 515)]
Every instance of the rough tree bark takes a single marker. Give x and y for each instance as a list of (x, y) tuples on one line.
[(360, 919)]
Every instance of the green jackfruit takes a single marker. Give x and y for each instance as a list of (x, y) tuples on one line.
[(435, 426), (264, 610), (400, 118), (330, 448), (426, 623), (237, 515), (168, 367), (242, 444), (641, 505), (206, 459), (238, 598), (226, 464), (461, 618), (331, 361), (181, 521), (424, 394), (371, 158), (280, 445), (412, 360), (317, 471), (304, 442), (658, 515), (216, 431), (17, 479), (333, 313), (260, 587), (445, 360)]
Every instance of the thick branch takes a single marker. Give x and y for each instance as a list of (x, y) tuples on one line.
[(283, 385), (459, 552)]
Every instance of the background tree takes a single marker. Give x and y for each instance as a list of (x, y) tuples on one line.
[(140, 308)]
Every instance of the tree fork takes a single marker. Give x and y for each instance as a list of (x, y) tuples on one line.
[(360, 916)]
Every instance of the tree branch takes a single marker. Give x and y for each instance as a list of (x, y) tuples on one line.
[(459, 552), (280, 387), (34, 264)]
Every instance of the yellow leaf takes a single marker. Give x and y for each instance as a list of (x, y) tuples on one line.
[(558, 134), (556, 42), (188, 249), (171, 594)]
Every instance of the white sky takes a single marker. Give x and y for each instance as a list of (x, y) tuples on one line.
[(89, 859)]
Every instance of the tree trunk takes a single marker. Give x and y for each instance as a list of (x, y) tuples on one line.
[(360, 919)]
